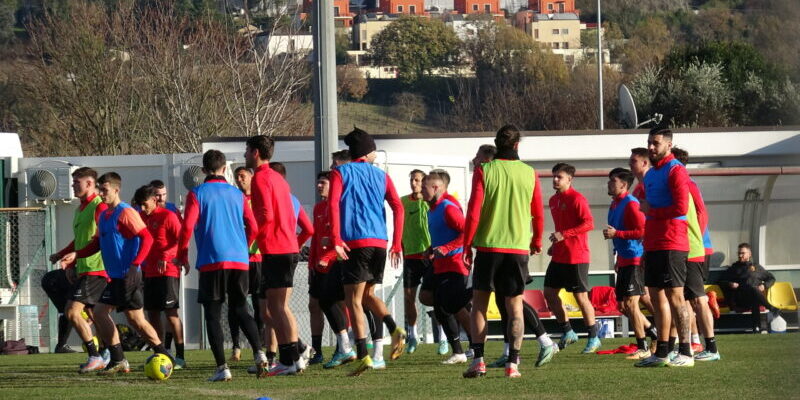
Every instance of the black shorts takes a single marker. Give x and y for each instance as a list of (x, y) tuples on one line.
[(630, 282), (451, 293), (277, 271), (428, 280), (503, 273), (57, 287), (88, 289), (665, 269), (162, 293), (364, 264), (572, 277), (222, 285), (413, 271), (327, 286), (125, 293), (696, 275), (255, 278)]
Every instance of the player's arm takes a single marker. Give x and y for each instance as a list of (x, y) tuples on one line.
[(130, 226), (306, 228), (679, 187), (634, 220), (537, 213), (191, 214), (250, 223), (699, 205), (398, 215), (474, 207), (586, 221), (334, 196)]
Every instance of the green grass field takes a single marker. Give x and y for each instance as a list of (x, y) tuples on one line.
[(753, 366)]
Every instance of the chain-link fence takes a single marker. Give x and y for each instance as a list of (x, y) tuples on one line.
[(24, 255)]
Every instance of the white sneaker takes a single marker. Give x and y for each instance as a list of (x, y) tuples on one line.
[(305, 356), (456, 359), (222, 374), (261, 365)]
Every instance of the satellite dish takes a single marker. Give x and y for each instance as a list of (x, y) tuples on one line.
[(627, 109)]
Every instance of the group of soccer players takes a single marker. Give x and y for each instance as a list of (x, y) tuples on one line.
[(129, 258)]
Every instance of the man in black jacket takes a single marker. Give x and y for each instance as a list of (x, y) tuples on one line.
[(745, 285)]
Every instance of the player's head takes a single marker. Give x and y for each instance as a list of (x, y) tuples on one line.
[(507, 138), (620, 181), (243, 176), (214, 162), (109, 185), (84, 182), (659, 144), (160, 190), (639, 162), (146, 198), (432, 187), (279, 168), (562, 176), (745, 253), (258, 151), (340, 157), (360, 144), (323, 184), (415, 180), (681, 155), (444, 175), (484, 154)]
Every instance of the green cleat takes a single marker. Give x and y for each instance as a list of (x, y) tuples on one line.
[(499, 363), (652, 362), (339, 359), (546, 354), (444, 348), (567, 339), (592, 345), (411, 345), (706, 355)]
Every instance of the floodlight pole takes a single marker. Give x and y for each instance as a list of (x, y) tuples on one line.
[(599, 70), (326, 125)]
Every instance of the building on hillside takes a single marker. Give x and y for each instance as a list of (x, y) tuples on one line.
[(279, 44), (553, 6), (558, 31), (366, 26), (464, 27), (477, 7), (342, 17), (410, 7)]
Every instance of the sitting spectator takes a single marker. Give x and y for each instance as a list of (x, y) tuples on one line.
[(745, 285)]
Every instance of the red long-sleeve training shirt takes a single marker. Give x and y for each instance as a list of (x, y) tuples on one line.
[(573, 218), (130, 225), (391, 197), (306, 227), (321, 248), (474, 214), (454, 218), (165, 228), (633, 219), (274, 212), (661, 230)]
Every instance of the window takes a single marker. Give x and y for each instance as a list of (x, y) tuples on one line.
[(555, 45), (474, 7), (554, 32), (412, 9), (561, 7), (565, 31), (399, 9), (335, 11), (549, 6), (565, 45), (487, 8)]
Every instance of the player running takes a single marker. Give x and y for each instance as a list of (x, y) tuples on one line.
[(416, 241)]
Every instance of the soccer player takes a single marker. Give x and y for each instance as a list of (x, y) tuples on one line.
[(275, 212), (244, 176), (162, 278), (504, 221), (666, 244), (416, 241), (326, 282), (358, 231), (639, 163), (161, 197), (697, 266), (625, 229), (569, 266), (223, 224), (124, 242), (88, 275)]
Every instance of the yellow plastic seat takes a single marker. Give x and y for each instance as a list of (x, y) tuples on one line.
[(492, 313), (723, 309), (781, 295), (573, 311)]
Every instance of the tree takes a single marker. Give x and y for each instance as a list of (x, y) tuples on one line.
[(342, 41), (350, 82), (7, 20), (649, 44), (416, 46)]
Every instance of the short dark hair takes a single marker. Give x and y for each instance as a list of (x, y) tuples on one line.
[(112, 178), (324, 175), (443, 174), (488, 151), (507, 137), (681, 155), (434, 175), (745, 245), (279, 168), (265, 146), (213, 160), (415, 172), (143, 193), (639, 152), (242, 168), (157, 184), (84, 172), (564, 167), (661, 131), (341, 155), (622, 174)]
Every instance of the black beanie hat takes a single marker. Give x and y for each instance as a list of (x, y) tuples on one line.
[(360, 143)]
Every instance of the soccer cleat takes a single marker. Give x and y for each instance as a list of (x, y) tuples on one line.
[(592, 345), (222, 374), (681, 361), (260, 366), (339, 359), (411, 345), (567, 339), (651, 362), (305, 357), (236, 355), (398, 343), (361, 366), (65, 349), (697, 348), (475, 370), (512, 372), (317, 359), (546, 354), (456, 359), (378, 364), (640, 354), (179, 363), (706, 355), (115, 368), (93, 364), (253, 369), (443, 349), (499, 363), (281, 369), (672, 354), (470, 353)]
